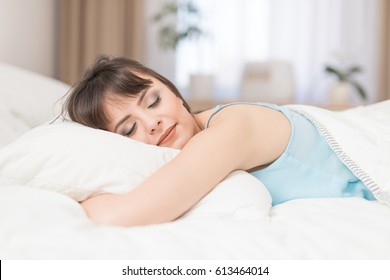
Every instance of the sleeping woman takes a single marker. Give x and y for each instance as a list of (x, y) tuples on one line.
[(271, 142)]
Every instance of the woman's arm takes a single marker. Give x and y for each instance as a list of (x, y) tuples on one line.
[(238, 138)]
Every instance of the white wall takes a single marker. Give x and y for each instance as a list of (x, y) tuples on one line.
[(28, 34), (28, 37)]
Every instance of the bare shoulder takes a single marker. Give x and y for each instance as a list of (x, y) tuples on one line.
[(265, 131), (242, 113)]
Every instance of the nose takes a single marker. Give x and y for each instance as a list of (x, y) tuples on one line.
[(154, 126)]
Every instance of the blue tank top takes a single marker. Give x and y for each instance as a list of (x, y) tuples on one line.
[(308, 168)]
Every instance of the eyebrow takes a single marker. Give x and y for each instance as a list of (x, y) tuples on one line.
[(121, 121), (141, 97)]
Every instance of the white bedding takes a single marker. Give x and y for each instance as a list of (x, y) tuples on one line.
[(40, 220)]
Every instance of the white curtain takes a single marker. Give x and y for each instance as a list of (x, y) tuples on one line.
[(234, 32), (307, 33)]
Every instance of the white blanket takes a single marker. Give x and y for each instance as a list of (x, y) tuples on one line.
[(361, 140), (235, 221)]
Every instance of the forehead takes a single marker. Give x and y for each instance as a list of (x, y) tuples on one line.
[(117, 102)]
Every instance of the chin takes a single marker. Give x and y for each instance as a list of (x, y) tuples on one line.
[(184, 137), (177, 146), (180, 144)]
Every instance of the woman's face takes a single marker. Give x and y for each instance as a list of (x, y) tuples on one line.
[(156, 116)]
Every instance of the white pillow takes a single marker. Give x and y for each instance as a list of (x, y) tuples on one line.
[(79, 162), (10, 126), (31, 97), (240, 195)]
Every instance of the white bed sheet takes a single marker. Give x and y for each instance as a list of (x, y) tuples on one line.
[(42, 224), (39, 224)]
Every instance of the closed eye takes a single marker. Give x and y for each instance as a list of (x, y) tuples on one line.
[(131, 131), (155, 103)]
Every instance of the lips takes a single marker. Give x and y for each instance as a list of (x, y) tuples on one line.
[(167, 135)]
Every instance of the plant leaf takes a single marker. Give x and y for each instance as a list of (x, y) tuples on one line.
[(359, 89), (169, 34), (338, 73), (168, 9), (352, 70), (191, 8)]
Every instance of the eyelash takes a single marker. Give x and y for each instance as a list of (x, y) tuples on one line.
[(155, 103), (134, 127), (131, 131)]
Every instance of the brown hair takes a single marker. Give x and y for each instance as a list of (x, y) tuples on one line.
[(118, 75)]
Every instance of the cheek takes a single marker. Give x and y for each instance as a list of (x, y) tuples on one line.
[(186, 136), (188, 126), (142, 137), (139, 137), (181, 111), (175, 103)]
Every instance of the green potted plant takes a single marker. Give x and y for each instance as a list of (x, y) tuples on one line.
[(170, 34), (340, 92)]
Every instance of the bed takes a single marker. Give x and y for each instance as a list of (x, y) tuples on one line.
[(47, 167)]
